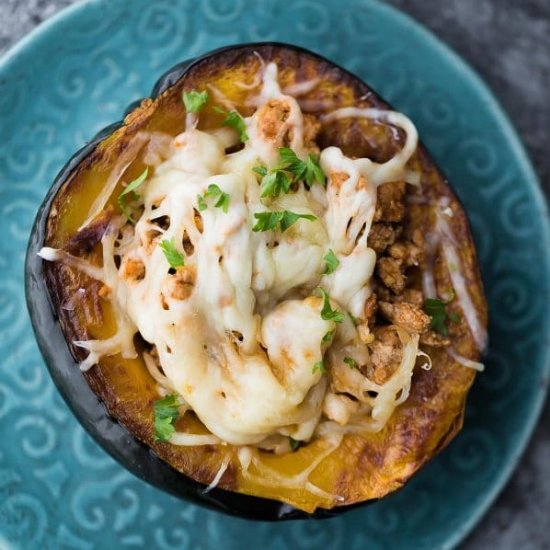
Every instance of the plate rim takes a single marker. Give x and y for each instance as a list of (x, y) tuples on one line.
[(531, 182)]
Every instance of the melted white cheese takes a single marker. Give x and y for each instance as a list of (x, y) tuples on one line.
[(241, 347)]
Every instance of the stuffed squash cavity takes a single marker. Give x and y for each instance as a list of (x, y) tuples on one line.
[(265, 279)]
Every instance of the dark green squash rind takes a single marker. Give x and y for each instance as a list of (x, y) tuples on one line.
[(73, 385)]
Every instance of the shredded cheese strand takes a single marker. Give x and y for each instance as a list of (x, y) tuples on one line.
[(393, 169), (299, 480), (459, 284), (126, 158), (219, 475), (57, 255), (155, 372), (302, 88), (192, 440), (442, 236), (464, 361)]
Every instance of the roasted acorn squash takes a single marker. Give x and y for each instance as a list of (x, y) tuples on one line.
[(67, 305)]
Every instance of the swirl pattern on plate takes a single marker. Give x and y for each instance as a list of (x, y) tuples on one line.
[(76, 76)]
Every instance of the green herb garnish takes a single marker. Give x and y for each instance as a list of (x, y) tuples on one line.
[(329, 314), (234, 120), (125, 209), (328, 336), (165, 412), (214, 192), (262, 170), (436, 309), (273, 183), (350, 362), (194, 101), (453, 317), (131, 188), (268, 221), (293, 443), (290, 218), (173, 256), (202, 203), (289, 170), (331, 262), (309, 170), (319, 366)]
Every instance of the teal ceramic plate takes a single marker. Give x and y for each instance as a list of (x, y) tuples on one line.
[(75, 75)]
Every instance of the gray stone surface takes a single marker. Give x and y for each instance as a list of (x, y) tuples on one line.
[(508, 43), (19, 17)]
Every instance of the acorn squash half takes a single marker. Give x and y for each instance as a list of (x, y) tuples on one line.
[(114, 399)]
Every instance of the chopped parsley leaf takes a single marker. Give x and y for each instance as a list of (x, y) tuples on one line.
[(291, 161), (319, 366), (314, 172), (194, 101), (350, 362), (274, 183), (328, 336), (310, 171), (234, 120), (262, 170), (290, 169), (223, 202), (202, 203), (166, 411), (436, 309), (327, 313), (131, 188), (293, 443), (290, 218), (125, 209), (213, 192), (173, 256), (268, 221), (331, 261)]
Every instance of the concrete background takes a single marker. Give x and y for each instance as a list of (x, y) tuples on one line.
[(508, 43)]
